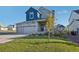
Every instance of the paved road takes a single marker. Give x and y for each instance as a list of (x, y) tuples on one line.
[(9, 37)]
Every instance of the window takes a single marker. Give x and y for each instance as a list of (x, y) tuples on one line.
[(38, 15), (42, 28), (77, 19), (31, 15)]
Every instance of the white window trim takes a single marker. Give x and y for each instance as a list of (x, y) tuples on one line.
[(38, 15), (31, 13)]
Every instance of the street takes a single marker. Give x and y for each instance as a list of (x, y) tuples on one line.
[(6, 38)]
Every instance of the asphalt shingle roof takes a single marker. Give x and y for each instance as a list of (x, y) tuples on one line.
[(77, 11)]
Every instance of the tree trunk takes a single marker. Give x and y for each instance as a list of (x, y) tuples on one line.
[(49, 35)]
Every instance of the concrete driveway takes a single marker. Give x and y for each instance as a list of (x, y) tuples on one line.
[(9, 37)]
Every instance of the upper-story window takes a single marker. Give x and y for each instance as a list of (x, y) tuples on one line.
[(31, 15), (38, 15)]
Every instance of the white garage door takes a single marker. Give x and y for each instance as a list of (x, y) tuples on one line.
[(29, 30), (27, 27)]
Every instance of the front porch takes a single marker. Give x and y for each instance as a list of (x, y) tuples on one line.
[(42, 27)]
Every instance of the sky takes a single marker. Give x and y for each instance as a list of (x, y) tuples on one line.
[(10, 15)]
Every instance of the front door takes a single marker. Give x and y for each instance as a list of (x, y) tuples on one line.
[(42, 28)]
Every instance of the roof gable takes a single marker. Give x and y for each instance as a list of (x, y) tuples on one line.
[(31, 9), (44, 10), (77, 11), (40, 10), (60, 26)]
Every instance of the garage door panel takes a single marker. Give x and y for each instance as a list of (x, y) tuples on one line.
[(29, 29)]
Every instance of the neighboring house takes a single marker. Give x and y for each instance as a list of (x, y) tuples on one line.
[(3, 28), (60, 27), (9, 28), (12, 27), (35, 21), (74, 22)]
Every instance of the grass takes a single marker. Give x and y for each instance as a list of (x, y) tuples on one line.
[(41, 44)]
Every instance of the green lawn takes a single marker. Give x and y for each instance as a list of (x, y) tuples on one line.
[(37, 44)]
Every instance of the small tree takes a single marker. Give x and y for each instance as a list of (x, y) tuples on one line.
[(49, 23)]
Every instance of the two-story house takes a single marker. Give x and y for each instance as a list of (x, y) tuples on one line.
[(74, 22), (35, 21)]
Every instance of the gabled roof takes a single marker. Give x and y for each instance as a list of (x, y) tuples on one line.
[(31, 8), (41, 8), (77, 11), (59, 25)]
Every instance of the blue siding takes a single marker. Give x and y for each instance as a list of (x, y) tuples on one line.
[(35, 14)]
